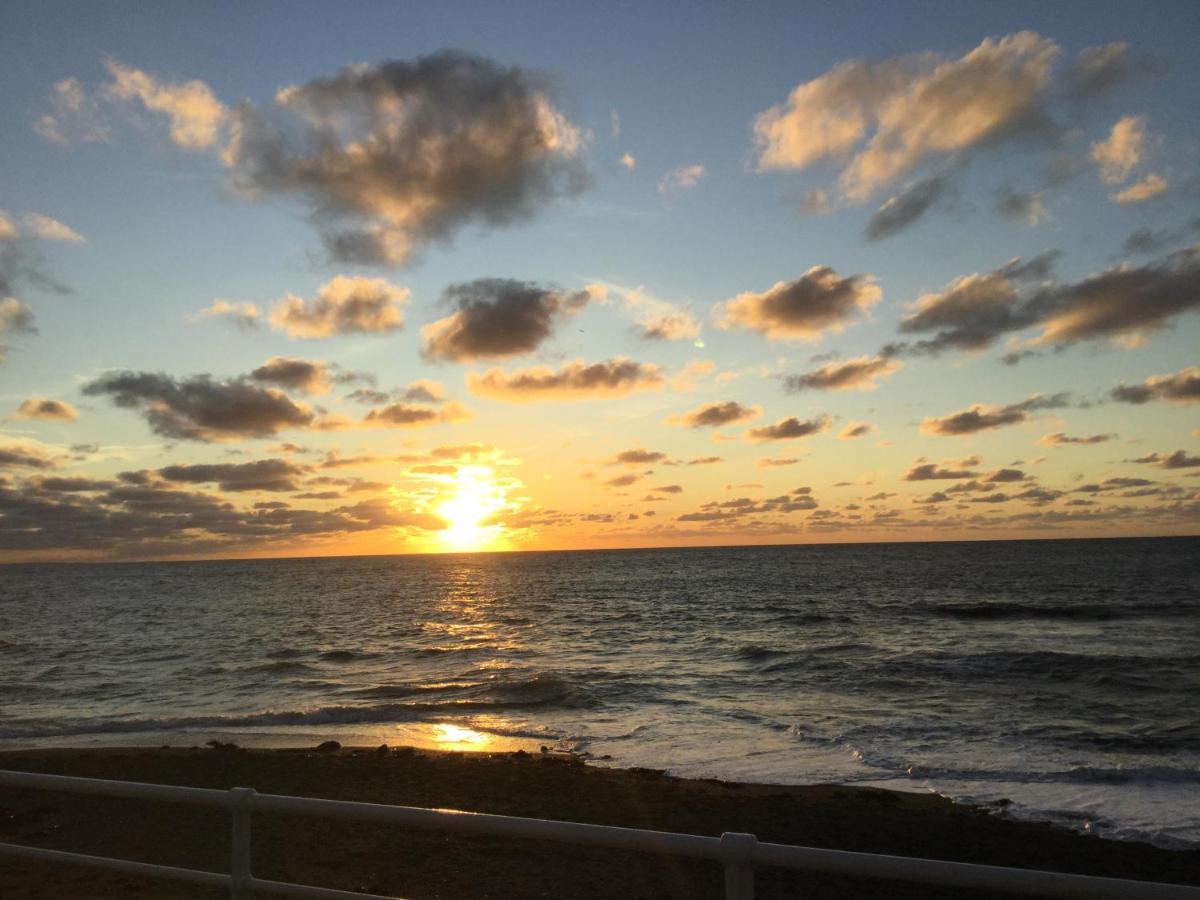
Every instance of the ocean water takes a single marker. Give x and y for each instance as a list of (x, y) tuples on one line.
[(1054, 680)]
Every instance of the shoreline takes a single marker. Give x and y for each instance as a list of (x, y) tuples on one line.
[(544, 785)]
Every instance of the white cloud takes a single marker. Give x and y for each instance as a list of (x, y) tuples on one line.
[(196, 114), (1150, 186), (628, 161), (51, 229), (682, 179), (882, 118), (1121, 151)]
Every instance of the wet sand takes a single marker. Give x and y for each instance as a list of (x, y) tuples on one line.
[(426, 864)]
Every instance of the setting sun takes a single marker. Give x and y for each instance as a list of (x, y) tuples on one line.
[(476, 497)]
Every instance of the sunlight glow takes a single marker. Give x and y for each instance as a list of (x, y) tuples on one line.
[(476, 497), (444, 733)]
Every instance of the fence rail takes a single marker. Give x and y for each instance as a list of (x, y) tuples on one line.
[(739, 854)]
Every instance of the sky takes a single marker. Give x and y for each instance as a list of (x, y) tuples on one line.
[(304, 279)]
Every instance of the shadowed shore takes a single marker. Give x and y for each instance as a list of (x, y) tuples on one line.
[(426, 864)]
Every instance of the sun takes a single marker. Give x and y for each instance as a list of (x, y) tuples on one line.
[(474, 499)]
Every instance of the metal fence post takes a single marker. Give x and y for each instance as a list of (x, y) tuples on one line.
[(239, 870), (737, 852)]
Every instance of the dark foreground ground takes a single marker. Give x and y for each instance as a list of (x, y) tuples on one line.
[(426, 865)]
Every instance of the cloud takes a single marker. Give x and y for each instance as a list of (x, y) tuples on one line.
[(305, 375), (1120, 303), (859, 374), (682, 179), (855, 430), (497, 318), (1020, 206), (46, 410), (1177, 460), (8, 231), (636, 457), (200, 408), (1058, 438), (244, 315), (24, 456), (905, 208), (627, 161), (769, 463), (72, 116), (51, 229), (669, 326), (881, 118), (260, 475), (1150, 186), (1098, 70), (16, 316), (575, 380), (818, 301), (1181, 387), (195, 113), (407, 415), (933, 472), (715, 415), (1118, 154), (152, 519), (343, 305), (393, 156), (815, 203), (705, 461), (978, 417), (788, 429), (624, 480), (423, 391)]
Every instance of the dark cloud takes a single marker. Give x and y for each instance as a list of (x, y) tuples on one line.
[(497, 318), (971, 312), (1058, 437), (23, 456), (1148, 241), (715, 415), (788, 429), (393, 156), (855, 430), (1099, 70), (369, 395), (1120, 303), (260, 475), (1177, 460), (933, 472), (423, 391), (1181, 387), (572, 381), (1020, 206), (200, 408), (146, 520), (636, 457), (819, 300), (625, 480), (705, 460), (799, 500), (403, 415), (306, 375), (46, 410), (905, 208), (983, 418), (852, 374), (74, 485)]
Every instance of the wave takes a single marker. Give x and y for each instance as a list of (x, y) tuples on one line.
[(1143, 775), (1077, 612), (541, 691)]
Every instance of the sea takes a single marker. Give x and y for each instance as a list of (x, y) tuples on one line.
[(1048, 680)]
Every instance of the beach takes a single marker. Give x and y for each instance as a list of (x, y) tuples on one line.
[(425, 864)]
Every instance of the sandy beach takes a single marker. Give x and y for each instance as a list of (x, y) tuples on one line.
[(422, 864)]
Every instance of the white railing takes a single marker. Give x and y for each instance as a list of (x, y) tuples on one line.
[(737, 853)]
